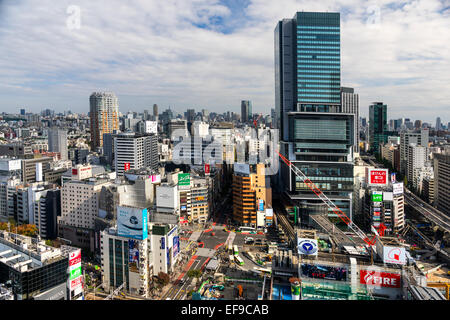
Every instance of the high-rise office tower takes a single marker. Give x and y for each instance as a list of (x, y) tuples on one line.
[(350, 104), (104, 114), (155, 112), (246, 111), (57, 142), (205, 115), (377, 125), (108, 148), (314, 134), (190, 115), (418, 124), (135, 151), (273, 115), (146, 115), (391, 125), (438, 124)]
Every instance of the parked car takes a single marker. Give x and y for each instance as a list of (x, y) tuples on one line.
[(248, 239)]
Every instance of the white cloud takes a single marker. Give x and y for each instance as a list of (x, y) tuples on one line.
[(154, 52)]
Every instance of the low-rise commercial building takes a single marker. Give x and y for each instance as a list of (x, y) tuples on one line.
[(35, 271)]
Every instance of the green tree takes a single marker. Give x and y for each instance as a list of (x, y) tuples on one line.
[(163, 278), (196, 273)]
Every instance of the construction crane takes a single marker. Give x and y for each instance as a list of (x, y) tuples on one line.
[(330, 204), (255, 122)]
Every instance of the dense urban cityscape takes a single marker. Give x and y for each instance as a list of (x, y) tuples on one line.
[(313, 201)]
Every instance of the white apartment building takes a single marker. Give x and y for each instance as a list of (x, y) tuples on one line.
[(57, 142), (8, 187), (79, 208), (398, 213), (148, 127), (419, 138), (79, 202), (417, 156), (200, 129)]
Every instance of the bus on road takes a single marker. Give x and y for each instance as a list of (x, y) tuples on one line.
[(247, 229), (235, 250), (239, 260)]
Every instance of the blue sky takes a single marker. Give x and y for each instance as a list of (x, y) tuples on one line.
[(213, 54)]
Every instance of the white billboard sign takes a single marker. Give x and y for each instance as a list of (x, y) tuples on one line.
[(307, 246), (260, 218), (397, 188), (395, 255)]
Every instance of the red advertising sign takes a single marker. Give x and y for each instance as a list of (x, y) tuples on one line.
[(382, 279), (126, 166), (75, 258), (74, 171), (75, 283), (378, 176), (207, 169)]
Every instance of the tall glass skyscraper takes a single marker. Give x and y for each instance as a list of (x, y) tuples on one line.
[(246, 111), (378, 127), (317, 135)]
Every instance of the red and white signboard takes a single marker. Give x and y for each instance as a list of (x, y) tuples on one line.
[(126, 166), (397, 188), (75, 263), (382, 279), (75, 259), (378, 176), (207, 169), (76, 283), (395, 255)]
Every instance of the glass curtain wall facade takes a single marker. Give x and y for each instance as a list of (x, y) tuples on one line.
[(28, 284), (377, 125), (318, 57)]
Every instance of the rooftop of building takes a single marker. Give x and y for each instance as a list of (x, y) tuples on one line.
[(142, 172), (26, 253), (91, 181)]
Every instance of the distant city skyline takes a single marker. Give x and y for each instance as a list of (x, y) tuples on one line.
[(213, 54)]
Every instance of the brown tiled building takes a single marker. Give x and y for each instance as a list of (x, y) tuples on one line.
[(248, 190)]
